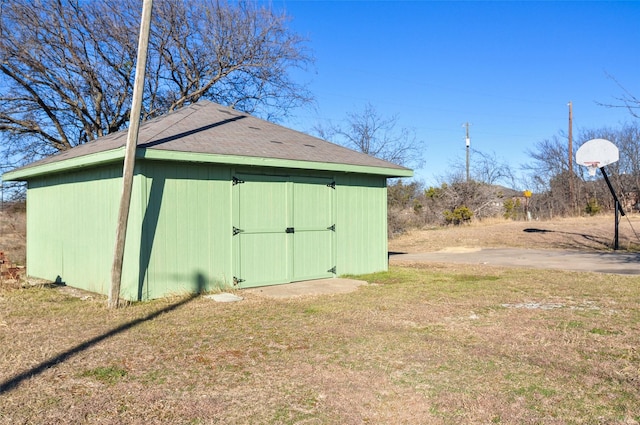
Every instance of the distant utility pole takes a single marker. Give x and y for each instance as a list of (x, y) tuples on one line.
[(571, 194), (468, 142), (130, 155)]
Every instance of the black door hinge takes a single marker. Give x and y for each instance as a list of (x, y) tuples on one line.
[(237, 281), (332, 185), (290, 230), (236, 230), (332, 228), (236, 180), (332, 270)]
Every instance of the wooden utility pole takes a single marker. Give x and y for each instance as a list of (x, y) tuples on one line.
[(468, 143), (571, 191), (130, 155)]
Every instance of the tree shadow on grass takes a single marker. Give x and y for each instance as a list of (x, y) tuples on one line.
[(599, 241), (13, 382)]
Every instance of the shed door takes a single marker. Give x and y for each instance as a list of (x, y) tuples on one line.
[(314, 228), (283, 229), (261, 242)]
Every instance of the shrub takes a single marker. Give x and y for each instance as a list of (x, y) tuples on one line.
[(592, 207), (459, 215), (511, 208)]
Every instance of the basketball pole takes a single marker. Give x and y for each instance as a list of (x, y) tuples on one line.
[(619, 211)]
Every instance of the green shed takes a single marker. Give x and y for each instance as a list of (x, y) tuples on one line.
[(220, 199)]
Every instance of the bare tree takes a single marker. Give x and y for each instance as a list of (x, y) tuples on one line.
[(549, 158), (66, 66), (485, 168), (550, 168), (369, 132), (627, 100), (488, 168)]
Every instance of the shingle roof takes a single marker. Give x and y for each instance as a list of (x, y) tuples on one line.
[(208, 128)]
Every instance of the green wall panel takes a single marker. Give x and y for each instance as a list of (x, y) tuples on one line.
[(178, 237), (71, 227), (185, 231), (313, 217), (260, 207), (361, 224)]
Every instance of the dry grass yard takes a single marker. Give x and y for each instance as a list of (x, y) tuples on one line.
[(581, 233), (446, 344), (13, 233)]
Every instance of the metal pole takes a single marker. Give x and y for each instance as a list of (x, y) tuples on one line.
[(613, 192), (130, 155), (617, 205), (615, 233)]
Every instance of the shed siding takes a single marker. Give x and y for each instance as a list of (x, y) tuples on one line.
[(185, 222), (361, 224), (180, 237), (71, 219)]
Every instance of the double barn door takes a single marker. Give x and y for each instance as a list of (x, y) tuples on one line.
[(284, 229)]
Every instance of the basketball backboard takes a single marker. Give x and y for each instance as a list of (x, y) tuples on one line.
[(597, 153)]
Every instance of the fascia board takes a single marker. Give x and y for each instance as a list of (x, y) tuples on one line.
[(115, 155), (90, 160), (157, 154)]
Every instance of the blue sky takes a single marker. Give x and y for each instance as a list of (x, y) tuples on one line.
[(508, 68)]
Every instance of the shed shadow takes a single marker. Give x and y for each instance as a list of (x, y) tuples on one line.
[(10, 384), (149, 228)]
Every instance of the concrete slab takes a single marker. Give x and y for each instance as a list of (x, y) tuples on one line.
[(308, 288), (615, 262), (224, 297)]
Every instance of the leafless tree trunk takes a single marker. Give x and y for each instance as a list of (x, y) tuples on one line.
[(66, 66)]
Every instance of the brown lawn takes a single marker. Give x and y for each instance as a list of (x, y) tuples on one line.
[(445, 344)]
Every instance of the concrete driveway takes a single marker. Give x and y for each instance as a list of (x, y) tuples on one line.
[(601, 262)]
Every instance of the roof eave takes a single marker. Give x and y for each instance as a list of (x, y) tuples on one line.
[(91, 160), (115, 155), (157, 154)]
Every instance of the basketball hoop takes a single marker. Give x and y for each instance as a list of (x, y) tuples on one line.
[(597, 153)]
